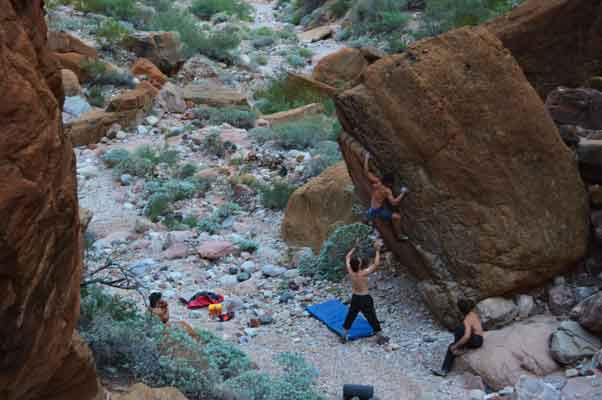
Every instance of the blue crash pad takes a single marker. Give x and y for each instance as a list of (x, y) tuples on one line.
[(332, 313)]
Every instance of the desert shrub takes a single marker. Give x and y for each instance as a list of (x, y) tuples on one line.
[(260, 59), (213, 144), (158, 204), (340, 7), (283, 94), (209, 225), (226, 211), (157, 155), (276, 196), (187, 170), (115, 156), (237, 117), (324, 155), (196, 40), (378, 16), (121, 9), (110, 32), (305, 53), (95, 97), (443, 15), (247, 245), (305, 133), (126, 343), (99, 74), (331, 261), (205, 9), (296, 381), (262, 135), (159, 5), (294, 60)]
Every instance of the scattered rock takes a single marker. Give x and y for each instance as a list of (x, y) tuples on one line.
[(589, 313), (496, 312), (589, 153), (175, 251), (92, 126), (583, 292), (74, 107), (575, 107), (561, 299), (143, 392), (146, 68), (213, 95), (316, 209), (228, 281), (140, 98), (476, 394), (272, 271), (464, 157), (526, 306), (317, 34), (582, 388), (571, 343), (163, 49), (273, 120), (508, 353), (170, 97), (216, 249), (248, 266), (571, 373), (243, 276), (535, 389), (63, 42)]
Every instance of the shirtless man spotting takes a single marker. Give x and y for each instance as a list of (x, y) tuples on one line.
[(361, 301), (381, 192)]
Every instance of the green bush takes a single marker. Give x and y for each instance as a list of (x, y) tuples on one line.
[(217, 45), (212, 144), (296, 381), (95, 97), (158, 205), (205, 9), (324, 155), (110, 32), (122, 9), (331, 261), (115, 156), (339, 8), (237, 117), (295, 61), (99, 74), (305, 133), (378, 16), (127, 344), (247, 245), (260, 59), (283, 94), (305, 53), (276, 196), (187, 170)]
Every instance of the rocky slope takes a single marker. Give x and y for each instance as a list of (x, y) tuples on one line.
[(40, 248)]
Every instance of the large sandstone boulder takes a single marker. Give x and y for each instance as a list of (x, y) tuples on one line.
[(71, 85), (92, 126), (41, 246), (293, 115), (63, 42), (319, 207), (346, 65), (144, 67), (556, 42), (141, 98), (213, 95), (589, 313), (163, 49), (496, 203), (508, 353), (143, 392)]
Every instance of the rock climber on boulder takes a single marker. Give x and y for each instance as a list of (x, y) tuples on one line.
[(381, 195)]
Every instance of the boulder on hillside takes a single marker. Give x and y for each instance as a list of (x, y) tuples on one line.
[(92, 126), (143, 392), (163, 49), (76, 62), (496, 312), (145, 67), (316, 34), (580, 107), (589, 313), (213, 95), (508, 353), (41, 247), (141, 98), (571, 343), (316, 209), (556, 42), (71, 85), (496, 203), (216, 249), (63, 42), (336, 69), (170, 98), (561, 299), (295, 114)]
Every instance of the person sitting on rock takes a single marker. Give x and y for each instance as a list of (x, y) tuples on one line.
[(468, 335), (381, 193), (160, 308), (361, 301)]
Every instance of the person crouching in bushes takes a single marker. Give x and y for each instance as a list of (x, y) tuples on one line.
[(160, 308), (469, 335)]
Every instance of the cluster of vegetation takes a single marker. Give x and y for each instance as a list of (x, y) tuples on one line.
[(110, 32), (282, 94), (214, 145), (205, 9), (98, 73), (304, 134), (237, 117), (330, 264), (212, 223), (276, 196)]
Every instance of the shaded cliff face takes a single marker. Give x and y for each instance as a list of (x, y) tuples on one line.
[(496, 203), (40, 243), (556, 42)]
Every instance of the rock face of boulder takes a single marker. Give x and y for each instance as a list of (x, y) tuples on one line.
[(63, 42), (163, 49), (145, 67), (345, 65), (143, 392), (41, 246), (316, 209), (556, 42), (496, 203), (589, 313), (496, 312), (519, 349)]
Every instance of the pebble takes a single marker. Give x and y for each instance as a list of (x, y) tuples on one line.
[(571, 373), (250, 332), (248, 266), (152, 120), (243, 276), (228, 280), (291, 273), (272, 270), (121, 135)]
